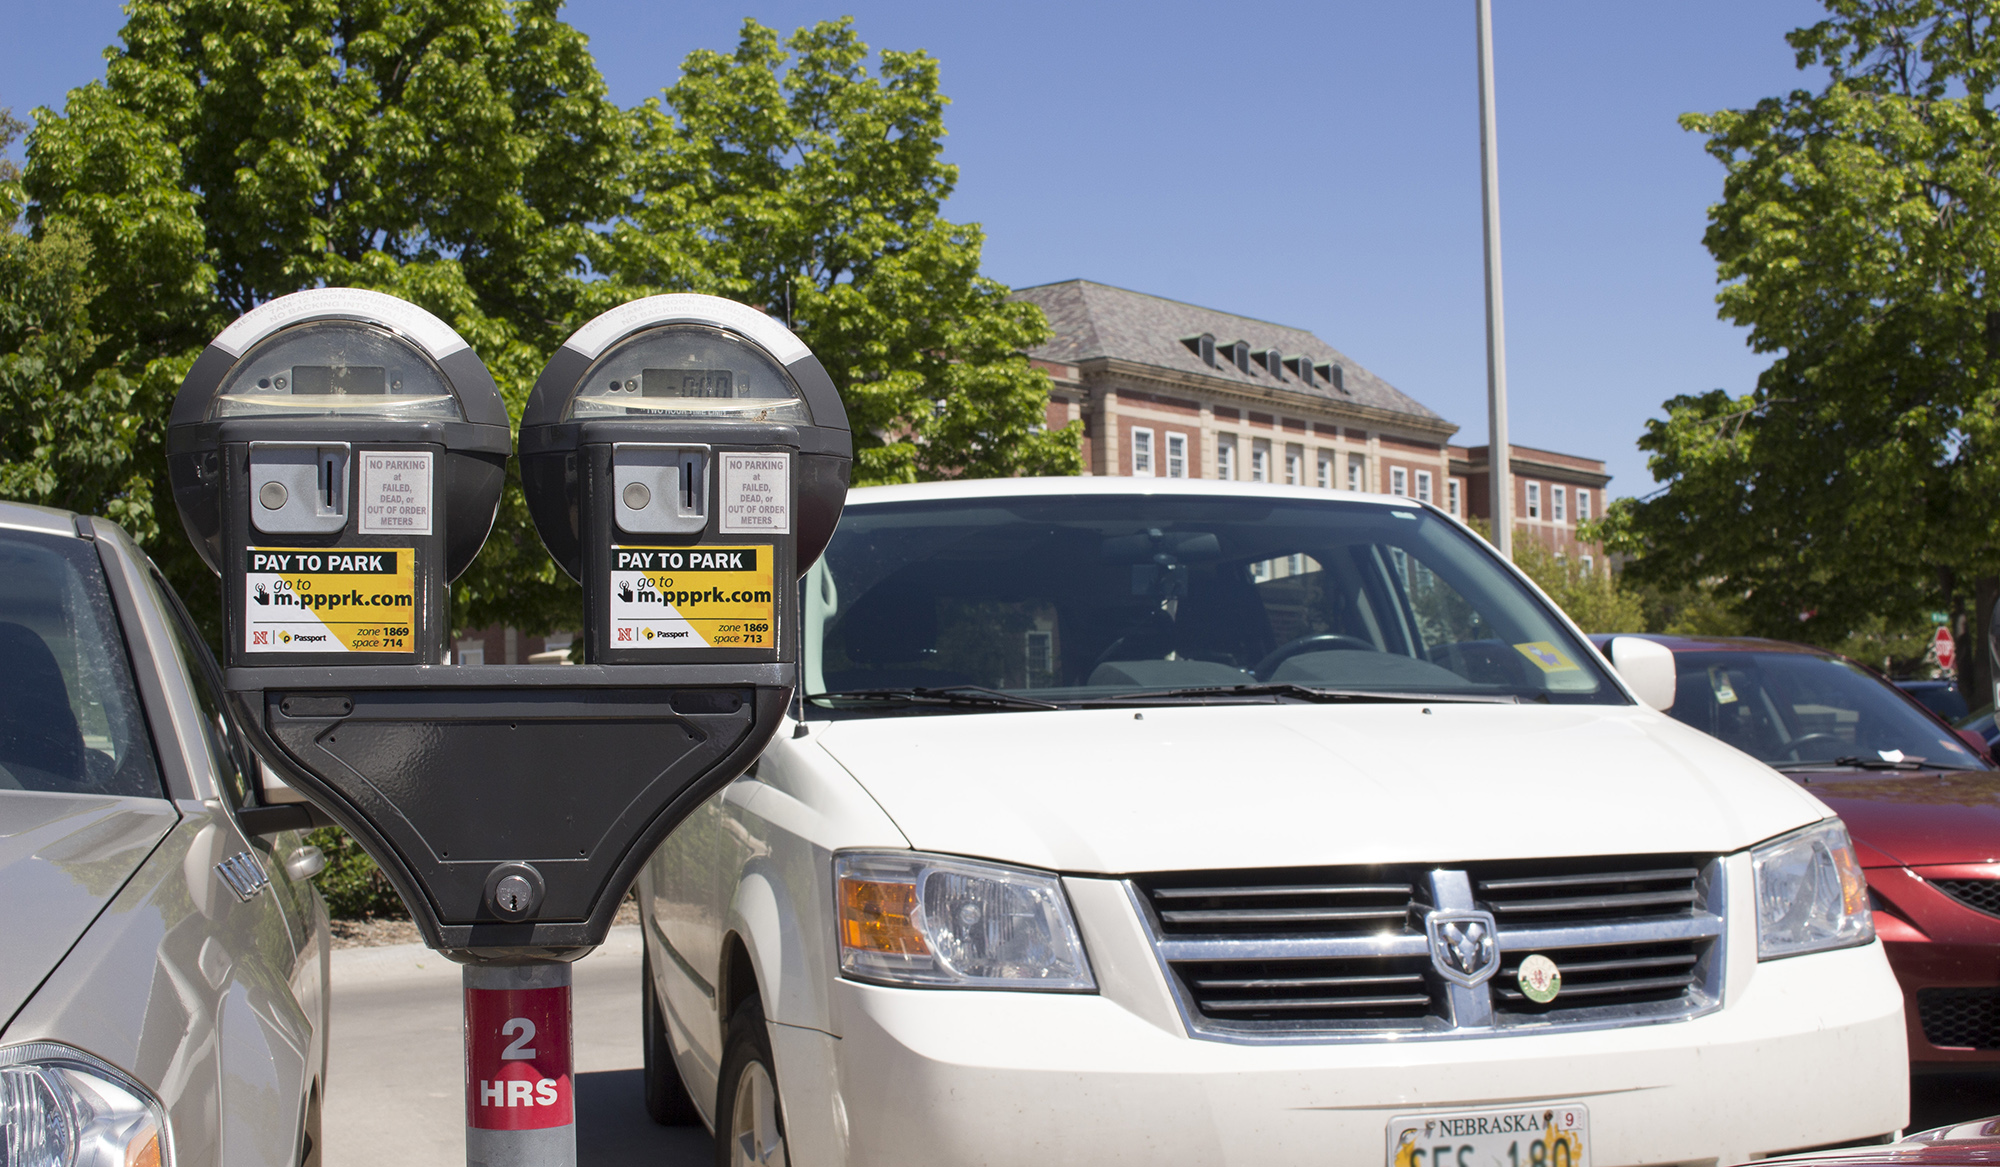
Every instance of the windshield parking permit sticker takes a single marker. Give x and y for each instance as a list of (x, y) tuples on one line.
[(1725, 693), (312, 599), (1546, 656), (692, 597), (396, 492), (757, 493)]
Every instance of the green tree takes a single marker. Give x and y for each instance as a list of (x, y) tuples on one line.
[(1597, 599), (788, 176), (1859, 483), (456, 154)]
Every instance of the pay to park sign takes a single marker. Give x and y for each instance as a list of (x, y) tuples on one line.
[(312, 599)]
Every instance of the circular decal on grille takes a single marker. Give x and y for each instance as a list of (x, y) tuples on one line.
[(1540, 979)]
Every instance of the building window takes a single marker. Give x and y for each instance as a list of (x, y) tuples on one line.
[(1176, 455), (1582, 505), (472, 652), (1399, 482), (1588, 565), (1558, 504), (1142, 453), (1295, 466), (1225, 457), (1326, 470), (1423, 486), (1451, 495), (1534, 500), (1260, 461), (1357, 464)]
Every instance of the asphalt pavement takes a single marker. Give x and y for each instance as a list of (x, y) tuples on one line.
[(395, 1080), (395, 1090)]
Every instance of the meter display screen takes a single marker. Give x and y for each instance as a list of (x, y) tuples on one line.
[(342, 368), (688, 371)]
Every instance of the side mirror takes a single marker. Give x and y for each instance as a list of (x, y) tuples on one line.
[(1648, 667)]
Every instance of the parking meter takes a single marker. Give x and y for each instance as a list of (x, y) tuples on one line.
[(685, 458), (337, 456)]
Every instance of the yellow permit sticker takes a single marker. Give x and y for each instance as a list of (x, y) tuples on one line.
[(316, 599), (1547, 657), (692, 597)]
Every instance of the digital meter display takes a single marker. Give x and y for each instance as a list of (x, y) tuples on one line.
[(340, 367), (687, 383), (689, 371), (309, 380)]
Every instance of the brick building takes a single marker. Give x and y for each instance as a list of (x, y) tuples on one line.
[(1553, 493), (1178, 391)]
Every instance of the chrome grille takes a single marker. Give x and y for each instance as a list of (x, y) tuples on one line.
[(1319, 954), (1282, 908), (1380, 990)]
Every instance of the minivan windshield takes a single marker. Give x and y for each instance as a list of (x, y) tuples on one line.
[(1801, 710), (1090, 597)]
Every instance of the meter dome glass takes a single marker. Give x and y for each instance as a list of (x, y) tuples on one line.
[(342, 368), (681, 371)]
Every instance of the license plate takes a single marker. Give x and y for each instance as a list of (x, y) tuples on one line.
[(1552, 1134)]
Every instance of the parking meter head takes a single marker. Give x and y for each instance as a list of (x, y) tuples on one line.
[(685, 458), (337, 455)]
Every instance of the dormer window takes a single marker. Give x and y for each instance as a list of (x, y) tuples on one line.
[(1203, 346), (1270, 360), (1333, 375), (1237, 352), (1301, 367)]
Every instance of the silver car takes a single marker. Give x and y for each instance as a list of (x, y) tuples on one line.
[(163, 955)]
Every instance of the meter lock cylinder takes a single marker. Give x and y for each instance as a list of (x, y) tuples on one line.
[(337, 457), (685, 458)]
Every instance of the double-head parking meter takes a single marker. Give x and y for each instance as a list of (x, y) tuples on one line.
[(337, 456)]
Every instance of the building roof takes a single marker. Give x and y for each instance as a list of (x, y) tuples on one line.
[(1096, 321)]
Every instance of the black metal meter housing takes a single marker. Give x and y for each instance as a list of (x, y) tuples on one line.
[(337, 456), (335, 435), (686, 458)]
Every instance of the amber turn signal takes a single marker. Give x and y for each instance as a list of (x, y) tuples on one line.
[(879, 916)]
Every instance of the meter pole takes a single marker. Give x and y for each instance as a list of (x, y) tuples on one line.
[(519, 1089)]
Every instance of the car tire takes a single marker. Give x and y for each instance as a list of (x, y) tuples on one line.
[(667, 1100), (749, 1119)]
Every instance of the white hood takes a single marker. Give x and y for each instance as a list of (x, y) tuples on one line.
[(1182, 787)]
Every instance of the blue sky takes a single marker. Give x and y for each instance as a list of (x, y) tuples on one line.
[(1315, 164)]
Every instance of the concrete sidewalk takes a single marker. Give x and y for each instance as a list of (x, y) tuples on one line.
[(395, 1088)]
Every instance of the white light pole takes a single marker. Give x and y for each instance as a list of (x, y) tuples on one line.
[(1498, 450)]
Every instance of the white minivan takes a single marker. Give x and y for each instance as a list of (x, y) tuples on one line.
[(1168, 821)]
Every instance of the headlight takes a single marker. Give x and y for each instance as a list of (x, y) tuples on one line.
[(911, 919), (1811, 894), (61, 1107)]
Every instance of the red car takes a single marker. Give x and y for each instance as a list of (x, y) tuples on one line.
[(1921, 801), (1963, 1145)]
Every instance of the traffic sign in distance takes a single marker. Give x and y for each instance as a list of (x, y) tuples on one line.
[(1943, 648)]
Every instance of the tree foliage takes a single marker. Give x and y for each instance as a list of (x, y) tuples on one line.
[(464, 154), (1858, 237), (787, 176)]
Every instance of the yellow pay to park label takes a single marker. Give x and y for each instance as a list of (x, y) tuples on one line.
[(692, 597), (316, 599)]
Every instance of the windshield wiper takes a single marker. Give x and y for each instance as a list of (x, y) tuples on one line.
[(1309, 693), (1856, 763), (958, 696)]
